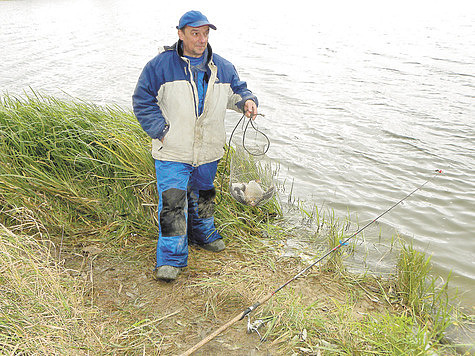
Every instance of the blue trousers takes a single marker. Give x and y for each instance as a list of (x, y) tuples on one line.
[(185, 209)]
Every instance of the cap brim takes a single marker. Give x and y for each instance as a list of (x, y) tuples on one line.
[(199, 24)]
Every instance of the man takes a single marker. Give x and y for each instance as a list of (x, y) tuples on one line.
[(180, 101)]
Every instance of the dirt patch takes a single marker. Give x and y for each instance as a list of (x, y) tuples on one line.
[(213, 289)]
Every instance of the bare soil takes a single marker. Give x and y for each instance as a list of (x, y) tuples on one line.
[(121, 286)]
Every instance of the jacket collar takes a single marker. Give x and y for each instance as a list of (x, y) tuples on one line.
[(178, 47)]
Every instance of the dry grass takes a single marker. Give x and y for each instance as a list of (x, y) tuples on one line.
[(42, 308)]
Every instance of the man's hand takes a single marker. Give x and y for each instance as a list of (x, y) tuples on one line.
[(250, 109)]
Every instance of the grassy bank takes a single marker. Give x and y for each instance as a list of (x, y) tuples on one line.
[(77, 242)]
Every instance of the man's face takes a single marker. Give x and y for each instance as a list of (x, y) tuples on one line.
[(195, 40)]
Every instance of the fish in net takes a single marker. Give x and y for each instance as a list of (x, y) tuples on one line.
[(251, 179)]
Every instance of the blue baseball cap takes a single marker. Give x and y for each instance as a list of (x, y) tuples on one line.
[(194, 19)]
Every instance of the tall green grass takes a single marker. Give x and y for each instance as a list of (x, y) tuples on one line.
[(84, 169), (419, 291), (77, 165)]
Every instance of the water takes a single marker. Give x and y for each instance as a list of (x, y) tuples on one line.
[(363, 100)]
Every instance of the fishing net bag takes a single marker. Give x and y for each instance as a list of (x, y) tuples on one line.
[(251, 177)]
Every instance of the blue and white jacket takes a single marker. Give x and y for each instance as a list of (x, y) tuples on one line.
[(165, 103)]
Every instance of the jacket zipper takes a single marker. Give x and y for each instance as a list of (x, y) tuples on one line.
[(193, 89), (195, 94)]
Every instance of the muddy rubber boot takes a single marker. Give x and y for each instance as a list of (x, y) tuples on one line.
[(215, 246), (167, 273)]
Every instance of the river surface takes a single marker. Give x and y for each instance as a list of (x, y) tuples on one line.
[(363, 100)]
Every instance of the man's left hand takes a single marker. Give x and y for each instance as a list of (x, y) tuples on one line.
[(250, 109)]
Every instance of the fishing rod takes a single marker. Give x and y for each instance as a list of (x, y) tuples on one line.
[(269, 296)]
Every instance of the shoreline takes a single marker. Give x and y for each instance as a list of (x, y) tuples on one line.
[(77, 191)]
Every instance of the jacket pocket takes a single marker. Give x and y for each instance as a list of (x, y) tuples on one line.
[(157, 145)]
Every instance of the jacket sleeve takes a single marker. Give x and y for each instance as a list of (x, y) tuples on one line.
[(240, 93), (145, 104)]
